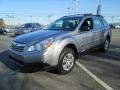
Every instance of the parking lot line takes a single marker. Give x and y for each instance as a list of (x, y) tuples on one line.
[(97, 79)]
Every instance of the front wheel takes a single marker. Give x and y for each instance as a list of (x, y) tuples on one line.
[(66, 61), (4, 33)]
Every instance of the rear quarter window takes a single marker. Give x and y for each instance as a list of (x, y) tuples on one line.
[(97, 23), (105, 23)]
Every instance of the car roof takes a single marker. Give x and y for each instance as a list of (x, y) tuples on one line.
[(31, 23)]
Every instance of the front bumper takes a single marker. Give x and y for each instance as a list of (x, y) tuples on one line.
[(18, 33), (27, 57)]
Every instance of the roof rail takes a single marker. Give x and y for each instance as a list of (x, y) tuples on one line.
[(98, 15), (73, 15), (87, 14)]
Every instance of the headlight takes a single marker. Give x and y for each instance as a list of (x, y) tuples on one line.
[(41, 46)]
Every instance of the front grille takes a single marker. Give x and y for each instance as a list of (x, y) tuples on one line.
[(17, 47)]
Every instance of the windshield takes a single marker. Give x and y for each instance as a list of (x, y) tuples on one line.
[(66, 24), (26, 26)]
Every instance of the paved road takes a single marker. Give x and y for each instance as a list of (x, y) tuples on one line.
[(42, 80), (106, 66)]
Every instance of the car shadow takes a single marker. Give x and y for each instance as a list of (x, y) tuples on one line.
[(27, 68), (111, 54), (114, 46), (12, 36), (107, 62)]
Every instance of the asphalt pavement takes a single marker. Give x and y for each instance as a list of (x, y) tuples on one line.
[(105, 66)]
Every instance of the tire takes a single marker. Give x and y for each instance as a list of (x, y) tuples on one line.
[(104, 47), (66, 61), (4, 33)]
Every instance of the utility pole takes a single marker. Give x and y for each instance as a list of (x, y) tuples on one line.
[(18, 20), (49, 18), (68, 11), (74, 6), (31, 18), (8, 19), (12, 20), (112, 18)]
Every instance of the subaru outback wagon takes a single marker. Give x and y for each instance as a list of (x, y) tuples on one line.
[(60, 42)]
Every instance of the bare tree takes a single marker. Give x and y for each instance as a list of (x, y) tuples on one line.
[(2, 24)]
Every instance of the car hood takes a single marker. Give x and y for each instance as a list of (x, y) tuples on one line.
[(38, 36)]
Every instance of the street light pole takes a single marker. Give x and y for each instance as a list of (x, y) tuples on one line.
[(74, 6), (112, 18), (99, 11), (100, 6), (68, 11)]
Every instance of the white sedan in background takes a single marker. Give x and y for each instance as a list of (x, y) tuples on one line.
[(117, 27)]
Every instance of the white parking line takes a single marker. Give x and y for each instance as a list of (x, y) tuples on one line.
[(117, 49), (97, 79)]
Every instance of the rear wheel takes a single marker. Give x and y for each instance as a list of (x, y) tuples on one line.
[(66, 61), (105, 46)]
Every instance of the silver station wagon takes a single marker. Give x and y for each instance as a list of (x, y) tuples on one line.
[(60, 42)]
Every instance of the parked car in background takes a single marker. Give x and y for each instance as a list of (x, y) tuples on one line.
[(7, 30), (26, 28), (112, 26), (3, 32), (59, 44), (117, 27)]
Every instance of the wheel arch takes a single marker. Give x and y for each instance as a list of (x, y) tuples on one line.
[(74, 48), (108, 36)]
